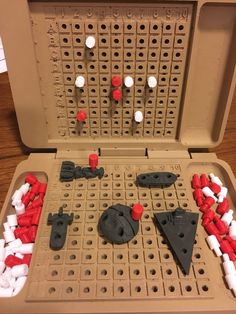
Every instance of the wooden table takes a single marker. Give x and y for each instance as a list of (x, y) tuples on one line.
[(12, 151)]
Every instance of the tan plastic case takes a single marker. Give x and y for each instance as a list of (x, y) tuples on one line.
[(189, 46)]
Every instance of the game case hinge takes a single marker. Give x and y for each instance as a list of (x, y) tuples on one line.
[(203, 156), (123, 152), (41, 156), (74, 154), (168, 154)]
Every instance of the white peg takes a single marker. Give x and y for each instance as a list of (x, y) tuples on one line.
[(19, 284), (2, 254), (222, 194), (80, 81), (15, 244), (214, 244), (12, 220), (16, 197), (2, 267), (90, 42), (6, 292), (8, 252), (20, 208), (20, 270), (215, 179), (208, 192), (152, 81), (232, 230), (26, 248), (25, 188), (6, 226), (4, 282), (2, 243), (128, 81), (9, 236), (138, 116), (228, 265), (227, 217), (231, 282), (19, 255)]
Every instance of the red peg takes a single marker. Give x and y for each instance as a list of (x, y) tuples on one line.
[(34, 191), (214, 187), (29, 212), (36, 218), (116, 81), (81, 116), (37, 203), (220, 225), (19, 231), (233, 244), (24, 221), (208, 202), (24, 238), (93, 161), (211, 229), (137, 211), (42, 189), (31, 179), (116, 94), (26, 199), (198, 196), (196, 182), (223, 207), (208, 217), (226, 248), (204, 180), (32, 233), (12, 260), (27, 259)]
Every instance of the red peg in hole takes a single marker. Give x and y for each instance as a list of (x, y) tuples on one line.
[(116, 81), (81, 116), (117, 94), (93, 161), (137, 211)]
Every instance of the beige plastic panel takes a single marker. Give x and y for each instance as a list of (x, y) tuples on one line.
[(140, 276), (182, 47)]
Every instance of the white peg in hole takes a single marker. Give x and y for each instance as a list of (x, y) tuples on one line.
[(128, 81), (90, 42), (80, 81), (138, 116), (152, 82)]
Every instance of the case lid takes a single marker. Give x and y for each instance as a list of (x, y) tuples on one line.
[(89, 75)]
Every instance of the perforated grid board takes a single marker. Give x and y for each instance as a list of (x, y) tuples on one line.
[(130, 40), (90, 268)]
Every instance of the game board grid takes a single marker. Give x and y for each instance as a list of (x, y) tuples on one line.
[(89, 267)]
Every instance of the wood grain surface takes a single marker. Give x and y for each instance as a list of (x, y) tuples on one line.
[(12, 151)]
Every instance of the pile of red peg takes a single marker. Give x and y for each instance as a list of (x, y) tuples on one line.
[(220, 224), (209, 191), (19, 235)]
